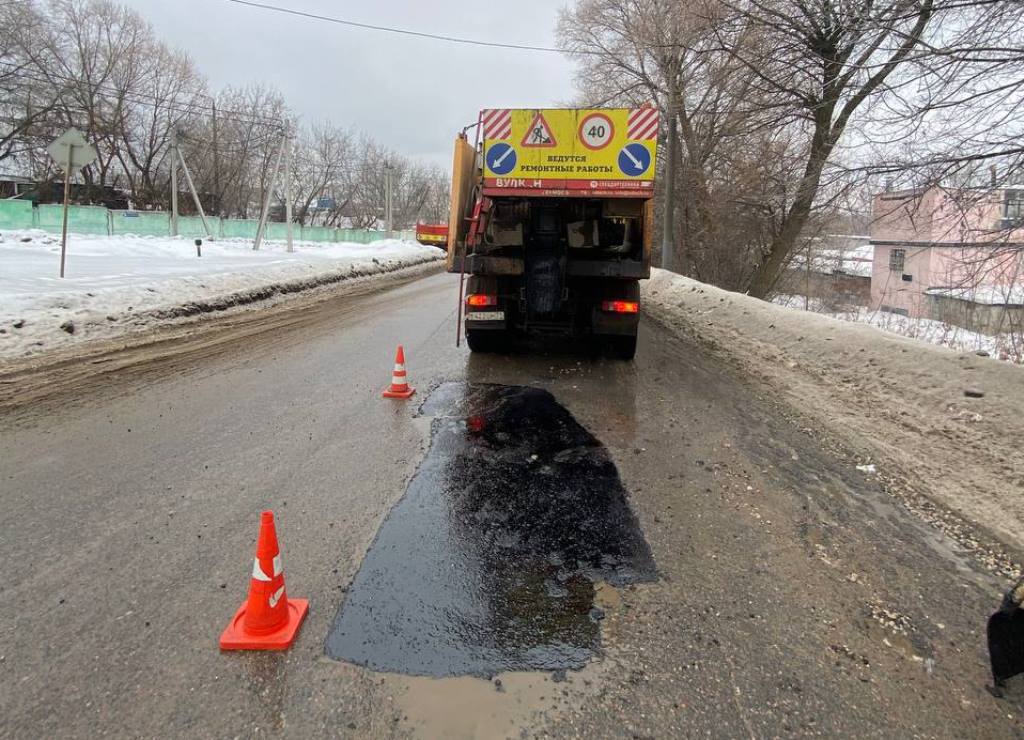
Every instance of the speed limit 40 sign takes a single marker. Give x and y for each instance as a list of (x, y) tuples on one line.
[(596, 131)]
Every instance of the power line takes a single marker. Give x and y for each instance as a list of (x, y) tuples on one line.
[(390, 29), (144, 98)]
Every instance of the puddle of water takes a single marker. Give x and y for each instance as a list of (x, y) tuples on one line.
[(493, 559), (467, 707)]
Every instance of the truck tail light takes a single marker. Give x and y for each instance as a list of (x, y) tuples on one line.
[(481, 300), (620, 306)]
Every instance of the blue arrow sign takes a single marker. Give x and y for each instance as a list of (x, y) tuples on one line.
[(634, 159), (501, 158)]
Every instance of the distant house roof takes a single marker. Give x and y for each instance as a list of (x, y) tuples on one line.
[(988, 295)]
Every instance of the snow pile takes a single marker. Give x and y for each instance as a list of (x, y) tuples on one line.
[(1004, 346), (119, 284), (940, 426)]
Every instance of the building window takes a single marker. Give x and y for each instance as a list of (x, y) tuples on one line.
[(897, 258), (1013, 206)]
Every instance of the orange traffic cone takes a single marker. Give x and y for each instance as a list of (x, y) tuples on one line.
[(399, 385), (268, 619)]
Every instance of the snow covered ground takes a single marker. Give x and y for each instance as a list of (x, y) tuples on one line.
[(121, 284), (1004, 347), (938, 425)]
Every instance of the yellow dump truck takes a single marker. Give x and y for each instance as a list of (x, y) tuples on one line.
[(551, 223)]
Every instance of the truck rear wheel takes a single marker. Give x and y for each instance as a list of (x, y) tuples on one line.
[(486, 340), (624, 347)]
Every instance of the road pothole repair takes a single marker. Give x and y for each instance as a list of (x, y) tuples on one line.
[(491, 560)]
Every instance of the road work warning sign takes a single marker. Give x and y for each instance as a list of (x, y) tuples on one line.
[(607, 152)]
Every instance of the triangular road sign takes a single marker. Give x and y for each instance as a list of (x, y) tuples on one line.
[(539, 133)]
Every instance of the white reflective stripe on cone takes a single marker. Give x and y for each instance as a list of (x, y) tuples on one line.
[(276, 597), (278, 566), (399, 368), (257, 571)]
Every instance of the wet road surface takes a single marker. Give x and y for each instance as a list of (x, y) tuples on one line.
[(491, 560), (792, 596)]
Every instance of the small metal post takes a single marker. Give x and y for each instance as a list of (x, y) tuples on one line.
[(67, 197)]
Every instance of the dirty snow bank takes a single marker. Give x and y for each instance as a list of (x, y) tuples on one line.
[(119, 285), (909, 408)]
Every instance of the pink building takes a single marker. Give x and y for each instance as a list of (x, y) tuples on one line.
[(939, 252)]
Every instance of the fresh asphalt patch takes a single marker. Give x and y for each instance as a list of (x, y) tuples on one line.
[(489, 562)]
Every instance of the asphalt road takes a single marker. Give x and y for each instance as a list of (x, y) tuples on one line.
[(756, 584)]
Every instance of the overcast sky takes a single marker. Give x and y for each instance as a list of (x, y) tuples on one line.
[(412, 94)]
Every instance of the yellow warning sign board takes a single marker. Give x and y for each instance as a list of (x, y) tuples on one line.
[(584, 152)]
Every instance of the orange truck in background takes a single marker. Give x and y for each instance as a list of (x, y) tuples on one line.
[(552, 220), (432, 235)]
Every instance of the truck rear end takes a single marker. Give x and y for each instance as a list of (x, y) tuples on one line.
[(432, 235), (552, 223)]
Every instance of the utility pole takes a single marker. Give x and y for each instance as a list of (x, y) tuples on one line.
[(266, 201), (387, 198), (669, 206), (290, 144), (195, 195), (174, 180), (216, 162)]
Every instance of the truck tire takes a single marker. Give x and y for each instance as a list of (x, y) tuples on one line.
[(486, 340), (624, 347)]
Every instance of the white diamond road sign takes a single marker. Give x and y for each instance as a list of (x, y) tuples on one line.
[(82, 152)]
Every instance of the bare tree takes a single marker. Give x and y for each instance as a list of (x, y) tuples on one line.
[(821, 62), (27, 98), (168, 95), (735, 160), (97, 48), (324, 153)]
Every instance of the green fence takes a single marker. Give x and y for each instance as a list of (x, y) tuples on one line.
[(317, 234), (139, 223), (192, 226), (16, 214), (278, 231), (21, 214), (81, 219), (237, 228)]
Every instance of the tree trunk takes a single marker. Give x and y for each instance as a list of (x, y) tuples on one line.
[(763, 281)]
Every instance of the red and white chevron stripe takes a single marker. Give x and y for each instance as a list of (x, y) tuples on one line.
[(497, 123), (643, 124)]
